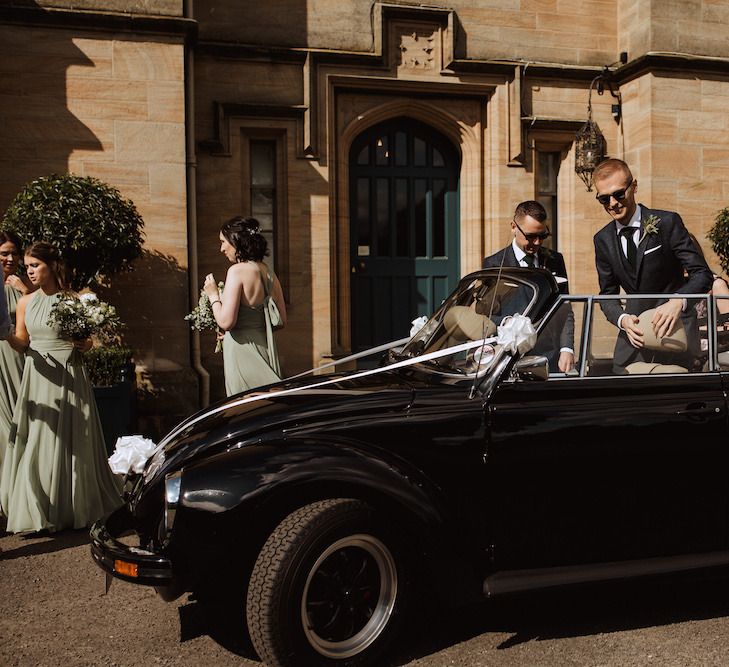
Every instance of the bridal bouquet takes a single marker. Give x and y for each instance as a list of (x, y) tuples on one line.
[(202, 318), (81, 316)]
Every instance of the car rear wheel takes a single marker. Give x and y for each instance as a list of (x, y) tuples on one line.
[(328, 587)]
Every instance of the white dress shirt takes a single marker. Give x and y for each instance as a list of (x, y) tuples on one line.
[(634, 222), (520, 255)]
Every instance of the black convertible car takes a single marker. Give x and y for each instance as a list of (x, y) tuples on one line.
[(461, 465)]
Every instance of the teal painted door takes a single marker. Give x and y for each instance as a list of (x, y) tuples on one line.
[(404, 228)]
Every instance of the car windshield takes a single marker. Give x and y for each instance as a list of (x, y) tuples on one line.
[(471, 313)]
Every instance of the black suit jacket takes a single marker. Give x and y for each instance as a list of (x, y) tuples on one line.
[(549, 259), (560, 331), (661, 261)]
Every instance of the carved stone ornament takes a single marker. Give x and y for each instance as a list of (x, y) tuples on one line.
[(418, 49)]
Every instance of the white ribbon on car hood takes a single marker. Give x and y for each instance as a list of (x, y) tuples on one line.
[(273, 393), (515, 333), (365, 353)]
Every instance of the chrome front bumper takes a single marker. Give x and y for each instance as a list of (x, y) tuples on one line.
[(126, 562)]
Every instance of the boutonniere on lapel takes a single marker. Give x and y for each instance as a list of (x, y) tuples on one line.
[(650, 227)]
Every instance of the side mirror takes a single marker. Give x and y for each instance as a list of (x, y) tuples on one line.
[(532, 368)]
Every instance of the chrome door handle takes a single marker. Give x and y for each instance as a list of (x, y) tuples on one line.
[(698, 411)]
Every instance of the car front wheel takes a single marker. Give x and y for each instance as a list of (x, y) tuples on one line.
[(328, 587)]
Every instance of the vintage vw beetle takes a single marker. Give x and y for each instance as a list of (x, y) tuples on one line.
[(322, 504)]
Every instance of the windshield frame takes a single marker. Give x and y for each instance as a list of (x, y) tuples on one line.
[(435, 322)]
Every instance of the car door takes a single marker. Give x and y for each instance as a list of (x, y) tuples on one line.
[(597, 469)]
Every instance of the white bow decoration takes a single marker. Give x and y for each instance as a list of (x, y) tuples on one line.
[(130, 454), (516, 333), (418, 323)]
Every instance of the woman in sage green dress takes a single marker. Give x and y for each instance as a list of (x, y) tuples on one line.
[(56, 474), (250, 358), (11, 362)]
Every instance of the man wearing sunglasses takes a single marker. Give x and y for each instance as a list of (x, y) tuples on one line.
[(643, 250), (529, 231)]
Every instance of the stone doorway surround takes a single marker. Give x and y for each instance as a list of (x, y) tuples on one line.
[(412, 70), (415, 47), (461, 121)]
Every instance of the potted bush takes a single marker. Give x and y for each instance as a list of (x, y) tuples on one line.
[(111, 371), (99, 233), (719, 237)]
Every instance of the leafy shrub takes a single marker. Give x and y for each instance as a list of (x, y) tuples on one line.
[(97, 231), (108, 365), (719, 237)]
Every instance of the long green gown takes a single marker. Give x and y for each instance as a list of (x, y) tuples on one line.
[(11, 370), (55, 467), (250, 358)]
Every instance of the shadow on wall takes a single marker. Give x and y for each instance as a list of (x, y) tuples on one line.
[(155, 326), (254, 23), (38, 132)]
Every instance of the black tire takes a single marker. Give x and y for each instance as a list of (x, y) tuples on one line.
[(328, 587)]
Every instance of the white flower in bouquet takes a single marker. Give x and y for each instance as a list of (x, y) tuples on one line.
[(80, 317), (202, 319), (130, 454)]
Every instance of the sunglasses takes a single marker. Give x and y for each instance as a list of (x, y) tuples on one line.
[(541, 236), (618, 195)]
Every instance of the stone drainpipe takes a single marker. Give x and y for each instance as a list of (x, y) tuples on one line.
[(191, 182)]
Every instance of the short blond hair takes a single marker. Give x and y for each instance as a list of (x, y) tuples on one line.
[(609, 167)]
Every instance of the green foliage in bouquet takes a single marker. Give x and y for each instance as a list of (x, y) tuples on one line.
[(98, 232), (202, 319), (719, 237), (108, 366), (80, 317)]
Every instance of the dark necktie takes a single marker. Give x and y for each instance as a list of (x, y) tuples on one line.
[(529, 260), (629, 233)]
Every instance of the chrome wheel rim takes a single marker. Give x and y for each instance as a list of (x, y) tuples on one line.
[(349, 596)]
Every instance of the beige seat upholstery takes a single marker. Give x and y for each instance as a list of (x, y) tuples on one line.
[(723, 359), (648, 368), (463, 324), (674, 341)]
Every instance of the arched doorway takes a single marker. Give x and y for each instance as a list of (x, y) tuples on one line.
[(404, 227)]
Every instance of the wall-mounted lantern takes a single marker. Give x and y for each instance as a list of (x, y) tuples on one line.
[(590, 145)]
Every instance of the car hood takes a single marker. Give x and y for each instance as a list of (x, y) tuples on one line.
[(279, 410), (305, 405)]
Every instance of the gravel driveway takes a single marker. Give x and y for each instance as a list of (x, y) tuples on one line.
[(53, 612)]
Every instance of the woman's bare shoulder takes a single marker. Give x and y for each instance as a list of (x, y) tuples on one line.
[(23, 300), (244, 273), (239, 269), (720, 284)]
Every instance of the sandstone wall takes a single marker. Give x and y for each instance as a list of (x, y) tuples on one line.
[(110, 103), (112, 107)]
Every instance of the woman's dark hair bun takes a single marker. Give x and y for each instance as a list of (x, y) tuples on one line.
[(244, 234)]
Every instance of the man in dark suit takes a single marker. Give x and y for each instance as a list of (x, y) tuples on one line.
[(648, 251), (530, 230)]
